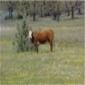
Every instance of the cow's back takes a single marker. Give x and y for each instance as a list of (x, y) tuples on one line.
[(43, 36)]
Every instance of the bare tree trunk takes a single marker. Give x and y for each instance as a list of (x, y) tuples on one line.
[(58, 13), (41, 9), (68, 12), (79, 11), (34, 11), (10, 10), (72, 12), (67, 9), (54, 15)]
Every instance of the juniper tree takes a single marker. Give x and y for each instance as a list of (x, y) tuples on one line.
[(21, 37)]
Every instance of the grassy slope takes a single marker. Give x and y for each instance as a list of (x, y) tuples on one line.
[(63, 66)]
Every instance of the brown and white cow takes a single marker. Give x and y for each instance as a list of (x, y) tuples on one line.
[(41, 37)]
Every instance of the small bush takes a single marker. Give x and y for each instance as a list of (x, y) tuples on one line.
[(21, 37)]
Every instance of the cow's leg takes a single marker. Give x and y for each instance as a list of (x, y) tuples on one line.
[(36, 47), (51, 46)]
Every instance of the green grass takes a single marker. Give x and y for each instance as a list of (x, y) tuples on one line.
[(63, 66)]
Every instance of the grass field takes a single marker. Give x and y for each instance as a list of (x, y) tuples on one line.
[(63, 66)]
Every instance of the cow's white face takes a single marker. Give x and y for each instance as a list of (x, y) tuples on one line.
[(30, 34)]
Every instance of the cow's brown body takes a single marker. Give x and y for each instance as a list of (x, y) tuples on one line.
[(41, 37)]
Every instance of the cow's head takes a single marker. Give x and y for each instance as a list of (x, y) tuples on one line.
[(30, 34)]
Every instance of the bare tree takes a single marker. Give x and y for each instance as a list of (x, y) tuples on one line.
[(34, 10), (78, 5), (72, 8), (67, 8), (57, 11)]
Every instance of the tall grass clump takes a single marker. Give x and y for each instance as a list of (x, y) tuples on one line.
[(21, 37)]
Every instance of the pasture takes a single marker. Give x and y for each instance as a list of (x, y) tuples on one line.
[(65, 65)]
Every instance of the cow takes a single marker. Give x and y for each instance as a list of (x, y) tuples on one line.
[(41, 37)]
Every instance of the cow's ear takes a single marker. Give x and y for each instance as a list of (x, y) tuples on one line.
[(30, 29)]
